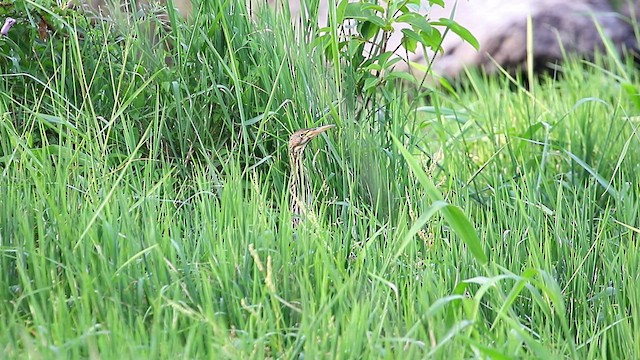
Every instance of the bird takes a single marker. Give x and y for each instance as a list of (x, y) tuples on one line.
[(298, 180)]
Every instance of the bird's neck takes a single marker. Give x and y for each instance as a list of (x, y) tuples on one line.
[(298, 185), (298, 176)]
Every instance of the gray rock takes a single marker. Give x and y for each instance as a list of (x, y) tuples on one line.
[(559, 28)]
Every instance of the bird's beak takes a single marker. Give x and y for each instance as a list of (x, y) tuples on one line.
[(313, 132)]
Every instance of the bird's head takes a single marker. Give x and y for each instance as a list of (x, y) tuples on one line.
[(301, 138)]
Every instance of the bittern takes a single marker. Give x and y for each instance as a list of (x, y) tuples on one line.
[(298, 181)]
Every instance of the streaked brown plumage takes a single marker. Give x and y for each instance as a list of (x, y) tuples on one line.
[(298, 183)]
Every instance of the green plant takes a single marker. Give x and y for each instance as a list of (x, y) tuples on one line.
[(358, 34), (42, 29)]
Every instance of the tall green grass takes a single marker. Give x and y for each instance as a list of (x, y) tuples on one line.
[(143, 208)]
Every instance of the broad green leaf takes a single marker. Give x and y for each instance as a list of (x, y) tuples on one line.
[(362, 12), (410, 40), (383, 59), (459, 223), (374, 7), (433, 40), (355, 10), (460, 30), (417, 22), (401, 75), (373, 67), (368, 30), (389, 63), (370, 82), (380, 22), (340, 11)]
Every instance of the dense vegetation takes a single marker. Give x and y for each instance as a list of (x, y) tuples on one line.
[(143, 207)]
